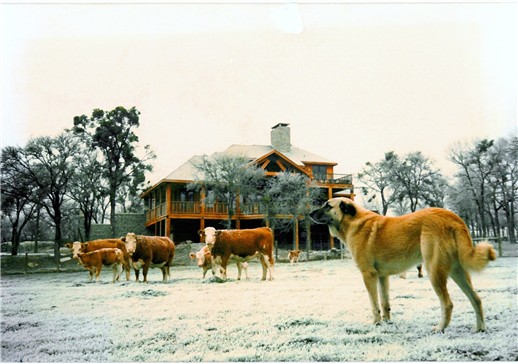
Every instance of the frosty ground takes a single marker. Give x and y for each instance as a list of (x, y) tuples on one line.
[(314, 311)]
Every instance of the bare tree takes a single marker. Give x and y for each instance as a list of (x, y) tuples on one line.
[(405, 183), (475, 167), (228, 176), (47, 163), (289, 198), (17, 194), (376, 177), (88, 188)]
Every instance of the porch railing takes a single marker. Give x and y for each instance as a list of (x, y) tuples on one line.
[(185, 207), (190, 207), (334, 178)]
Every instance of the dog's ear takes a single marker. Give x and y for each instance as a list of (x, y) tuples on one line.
[(347, 209)]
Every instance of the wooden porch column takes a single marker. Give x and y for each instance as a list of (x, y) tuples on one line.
[(168, 199), (296, 232), (168, 227), (202, 201), (202, 227)]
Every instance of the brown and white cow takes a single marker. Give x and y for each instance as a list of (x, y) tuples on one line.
[(241, 245), (95, 260), (89, 246), (150, 252), (293, 256), (204, 260)]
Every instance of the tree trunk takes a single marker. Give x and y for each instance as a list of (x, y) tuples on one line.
[(509, 211), (87, 224), (37, 237), (113, 191), (308, 237), (58, 235), (15, 240)]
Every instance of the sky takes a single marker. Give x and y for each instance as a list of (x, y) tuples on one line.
[(354, 80)]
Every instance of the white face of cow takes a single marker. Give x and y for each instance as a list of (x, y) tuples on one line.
[(131, 242), (210, 235), (200, 257), (76, 249)]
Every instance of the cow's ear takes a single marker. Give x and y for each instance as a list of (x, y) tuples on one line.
[(347, 209), (218, 232), (123, 239), (68, 245), (85, 245), (200, 232), (192, 255)]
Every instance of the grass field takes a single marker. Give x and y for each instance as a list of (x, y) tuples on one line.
[(314, 311)]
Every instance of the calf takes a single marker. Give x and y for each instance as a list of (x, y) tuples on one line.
[(150, 252), (293, 256), (93, 261), (242, 245), (204, 260), (92, 245)]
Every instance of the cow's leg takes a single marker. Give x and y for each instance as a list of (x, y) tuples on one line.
[(91, 271), (239, 269), (245, 268), (115, 268), (164, 274), (264, 265), (370, 278), (137, 271), (98, 273), (463, 280), (384, 297), (205, 272), (127, 268), (223, 267), (267, 263), (145, 269)]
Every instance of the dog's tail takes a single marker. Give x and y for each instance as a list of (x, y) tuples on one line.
[(473, 258)]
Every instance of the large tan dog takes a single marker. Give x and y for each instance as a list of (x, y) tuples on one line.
[(382, 246)]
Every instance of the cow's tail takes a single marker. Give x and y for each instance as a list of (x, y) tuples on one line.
[(473, 258)]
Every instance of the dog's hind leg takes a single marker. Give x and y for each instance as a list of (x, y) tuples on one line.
[(384, 296), (439, 279), (371, 283), (463, 280)]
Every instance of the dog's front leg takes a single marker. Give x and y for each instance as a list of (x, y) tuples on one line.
[(384, 295), (370, 278)]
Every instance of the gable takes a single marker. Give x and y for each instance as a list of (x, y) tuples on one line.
[(275, 162)]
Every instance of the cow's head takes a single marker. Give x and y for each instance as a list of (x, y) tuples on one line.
[(208, 235), (75, 247), (202, 256), (131, 242)]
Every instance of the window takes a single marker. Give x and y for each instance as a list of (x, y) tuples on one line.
[(320, 173)]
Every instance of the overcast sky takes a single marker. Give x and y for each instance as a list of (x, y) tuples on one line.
[(353, 80)]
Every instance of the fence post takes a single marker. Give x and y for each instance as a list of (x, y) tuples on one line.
[(500, 253), (26, 262)]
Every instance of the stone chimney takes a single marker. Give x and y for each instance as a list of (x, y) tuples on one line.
[(280, 137)]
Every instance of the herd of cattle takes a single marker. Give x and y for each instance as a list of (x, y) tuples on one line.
[(144, 252)]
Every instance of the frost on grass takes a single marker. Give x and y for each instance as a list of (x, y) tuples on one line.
[(317, 311)]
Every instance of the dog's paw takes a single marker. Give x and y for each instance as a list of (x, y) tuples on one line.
[(437, 330)]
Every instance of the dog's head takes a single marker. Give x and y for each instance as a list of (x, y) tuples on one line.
[(333, 212)]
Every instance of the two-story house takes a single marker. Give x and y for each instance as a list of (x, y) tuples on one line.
[(173, 209)]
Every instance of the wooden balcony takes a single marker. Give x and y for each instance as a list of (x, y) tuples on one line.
[(190, 208), (334, 179)]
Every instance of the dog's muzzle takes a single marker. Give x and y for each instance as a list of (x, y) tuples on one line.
[(319, 217)]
